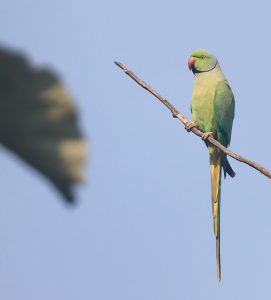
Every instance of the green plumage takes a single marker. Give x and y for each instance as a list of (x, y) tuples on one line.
[(213, 104), (212, 109)]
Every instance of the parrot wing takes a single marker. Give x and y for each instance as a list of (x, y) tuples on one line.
[(224, 115), (224, 111)]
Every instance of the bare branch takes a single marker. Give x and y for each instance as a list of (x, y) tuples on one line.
[(177, 114)]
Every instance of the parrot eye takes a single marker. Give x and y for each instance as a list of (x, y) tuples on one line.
[(202, 57)]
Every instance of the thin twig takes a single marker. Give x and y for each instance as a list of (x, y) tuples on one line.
[(177, 114)]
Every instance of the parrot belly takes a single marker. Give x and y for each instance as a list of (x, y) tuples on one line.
[(203, 110)]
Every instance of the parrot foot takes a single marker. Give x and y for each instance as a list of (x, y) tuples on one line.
[(189, 126), (205, 135)]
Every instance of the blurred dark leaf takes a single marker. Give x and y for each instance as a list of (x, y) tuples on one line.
[(38, 121)]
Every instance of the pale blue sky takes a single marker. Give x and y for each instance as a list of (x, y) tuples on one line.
[(143, 228)]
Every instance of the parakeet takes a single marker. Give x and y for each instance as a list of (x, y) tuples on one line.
[(212, 108)]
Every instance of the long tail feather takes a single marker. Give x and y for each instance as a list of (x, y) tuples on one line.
[(215, 168)]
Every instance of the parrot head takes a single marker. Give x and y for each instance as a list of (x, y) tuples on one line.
[(201, 60)]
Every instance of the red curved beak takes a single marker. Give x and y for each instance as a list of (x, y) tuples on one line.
[(191, 62)]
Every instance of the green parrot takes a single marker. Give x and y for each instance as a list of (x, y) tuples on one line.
[(212, 108)]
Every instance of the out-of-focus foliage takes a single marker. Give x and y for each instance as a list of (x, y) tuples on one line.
[(38, 121)]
